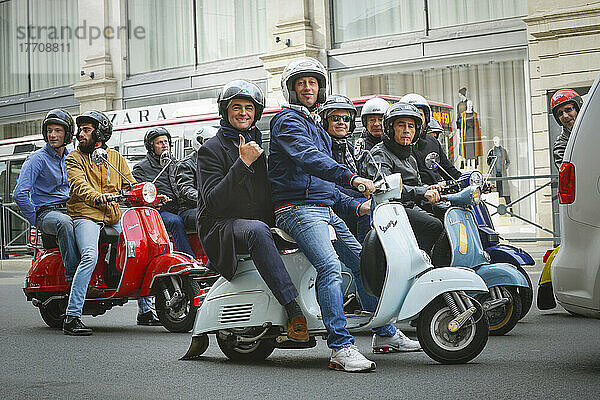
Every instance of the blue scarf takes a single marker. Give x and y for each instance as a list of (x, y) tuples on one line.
[(231, 133)]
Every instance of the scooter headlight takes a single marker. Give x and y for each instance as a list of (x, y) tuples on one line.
[(149, 192), (475, 194), (476, 178)]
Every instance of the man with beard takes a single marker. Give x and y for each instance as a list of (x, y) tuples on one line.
[(565, 104), (234, 200), (401, 124), (90, 206)]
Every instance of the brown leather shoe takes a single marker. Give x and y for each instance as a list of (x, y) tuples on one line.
[(297, 330)]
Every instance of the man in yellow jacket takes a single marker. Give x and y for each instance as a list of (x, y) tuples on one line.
[(92, 187)]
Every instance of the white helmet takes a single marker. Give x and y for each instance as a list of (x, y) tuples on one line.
[(418, 101), (374, 106), (202, 135), (306, 66)]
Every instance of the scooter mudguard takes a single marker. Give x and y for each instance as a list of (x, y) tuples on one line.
[(505, 253), (501, 274), (435, 282), (165, 265), (545, 276)]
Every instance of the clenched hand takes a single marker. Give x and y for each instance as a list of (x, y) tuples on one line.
[(249, 152)]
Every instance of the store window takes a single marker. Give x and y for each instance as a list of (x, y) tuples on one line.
[(169, 35), (443, 13), (224, 29), (357, 19), (231, 28), (488, 99), (38, 45)]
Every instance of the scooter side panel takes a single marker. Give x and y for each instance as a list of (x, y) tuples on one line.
[(463, 235), (404, 259), (501, 274), (47, 273), (506, 253), (435, 282), (246, 301)]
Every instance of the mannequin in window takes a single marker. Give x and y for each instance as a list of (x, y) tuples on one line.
[(460, 108), (500, 167), (470, 136)]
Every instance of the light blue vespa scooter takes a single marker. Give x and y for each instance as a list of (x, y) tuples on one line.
[(249, 323), (502, 302)]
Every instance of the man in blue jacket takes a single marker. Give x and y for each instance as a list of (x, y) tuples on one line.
[(303, 178), (42, 189)]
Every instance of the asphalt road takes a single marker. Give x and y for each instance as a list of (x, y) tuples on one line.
[(548, 355)]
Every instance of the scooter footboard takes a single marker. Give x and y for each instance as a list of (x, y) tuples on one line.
[(435, 282), (501, 274)]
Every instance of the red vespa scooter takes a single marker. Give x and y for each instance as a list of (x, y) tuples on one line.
[(138, 262)]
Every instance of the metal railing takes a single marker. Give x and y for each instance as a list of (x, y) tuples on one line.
[(507, 209), (9, 243)]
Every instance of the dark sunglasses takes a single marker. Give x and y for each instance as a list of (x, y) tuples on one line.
[(337, 118), (566, 110)]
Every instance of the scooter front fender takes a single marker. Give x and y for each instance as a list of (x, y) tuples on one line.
[(501, 274), (505, 253), (435, 282)]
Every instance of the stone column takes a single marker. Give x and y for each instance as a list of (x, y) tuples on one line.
[(98, 92), (293, 36)]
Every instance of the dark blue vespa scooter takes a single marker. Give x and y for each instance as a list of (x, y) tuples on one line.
[(490, 239)]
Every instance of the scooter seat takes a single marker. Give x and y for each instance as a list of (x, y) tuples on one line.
[(108, 234), (49, 241)]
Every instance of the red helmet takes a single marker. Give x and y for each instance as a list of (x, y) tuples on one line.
[(564, 96)]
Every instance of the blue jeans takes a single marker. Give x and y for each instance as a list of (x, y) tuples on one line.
[(176, 228), (58, 223), (87, 233), (308, 225)]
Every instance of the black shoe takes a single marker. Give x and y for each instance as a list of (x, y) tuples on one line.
[(148, 319), (74, 327)]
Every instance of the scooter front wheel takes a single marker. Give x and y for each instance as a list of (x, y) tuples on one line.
[(178, 317), (448, 347), (257, 350), (504, 318)]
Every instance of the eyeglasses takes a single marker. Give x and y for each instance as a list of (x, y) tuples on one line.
[(337, 118), (566, 110)]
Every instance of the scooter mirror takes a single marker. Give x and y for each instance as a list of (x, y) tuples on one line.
[(432, 160), (99, 156)]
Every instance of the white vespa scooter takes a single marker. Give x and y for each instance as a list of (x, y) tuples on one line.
[(249, 323)]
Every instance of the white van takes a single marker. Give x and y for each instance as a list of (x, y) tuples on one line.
[(575, 277)]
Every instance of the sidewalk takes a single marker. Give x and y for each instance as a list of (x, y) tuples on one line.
[(16, 263)]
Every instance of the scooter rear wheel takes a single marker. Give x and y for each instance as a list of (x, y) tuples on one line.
[(53, 314), (448, 347), (258, 350)]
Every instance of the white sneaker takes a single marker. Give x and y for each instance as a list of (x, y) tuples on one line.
[(397, 343), (349, 359)]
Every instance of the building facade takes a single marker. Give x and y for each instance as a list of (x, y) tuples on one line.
[(493, 61)]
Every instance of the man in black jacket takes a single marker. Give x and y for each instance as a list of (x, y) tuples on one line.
[(234, 200), (157, 141), (186, 178), (426, 144)]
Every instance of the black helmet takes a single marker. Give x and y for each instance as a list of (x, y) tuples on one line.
[(59, 117), (241, 89), (337, 102), (100, 122), (152, 134), (401, 110), (435, 127)]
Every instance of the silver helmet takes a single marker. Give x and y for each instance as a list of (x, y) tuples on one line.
[(202, 135), (418, 101), (306, 66), (374, 106)]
